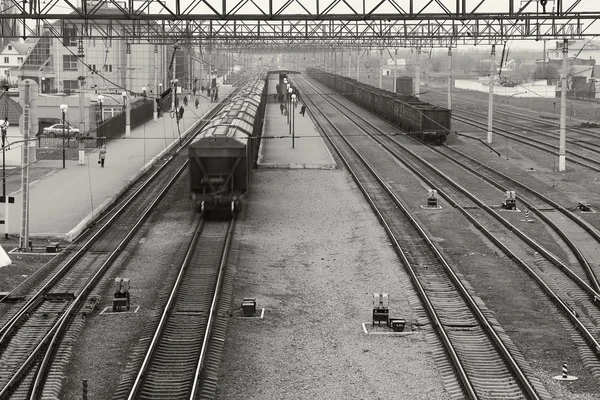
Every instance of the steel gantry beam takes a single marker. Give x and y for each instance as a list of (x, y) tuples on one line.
[(285, 23)]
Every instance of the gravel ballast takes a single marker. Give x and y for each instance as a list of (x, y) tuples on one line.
[(313, 253)]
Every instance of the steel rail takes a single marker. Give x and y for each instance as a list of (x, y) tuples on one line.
[(572, 315), (593, 292), (213, 309), (464, 379)]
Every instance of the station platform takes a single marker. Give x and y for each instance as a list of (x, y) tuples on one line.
[(276, 151), (62, 202)]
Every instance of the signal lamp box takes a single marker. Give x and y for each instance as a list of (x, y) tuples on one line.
[(122, 285), (249, 307), (381, 311)]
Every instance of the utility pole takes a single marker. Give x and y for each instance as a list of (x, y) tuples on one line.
[(449, 78), (395, 70), (417, 73), (175, 47), (128, 89), (358, 63), (24, 238), (491, 99), (380, 69), (4, 127), (156, 95), (563, 109), (81, 144)]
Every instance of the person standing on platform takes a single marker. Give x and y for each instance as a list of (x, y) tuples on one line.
[(303, 109), (102, 155), (281, 107)]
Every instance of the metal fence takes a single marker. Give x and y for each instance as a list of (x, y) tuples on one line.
[(114, 128)]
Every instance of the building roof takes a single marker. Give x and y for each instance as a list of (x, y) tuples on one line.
[(24, 47), (582, 70), (585, 44), (13, 108)]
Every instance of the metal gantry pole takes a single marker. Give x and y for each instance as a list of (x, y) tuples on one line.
[(491, 96), (563, 109)]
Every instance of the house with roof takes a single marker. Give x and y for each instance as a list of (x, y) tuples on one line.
[(10, 111), (578, 50), (12, 57)]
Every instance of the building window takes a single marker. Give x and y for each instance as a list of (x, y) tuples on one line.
[(20, 60), (70, 86), (93, 68), (108, 68), (69, 62)]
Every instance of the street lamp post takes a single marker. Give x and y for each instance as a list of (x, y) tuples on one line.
[(4, 127), (63, 109), (175, 102), (289, 92), (100, 101), (293, 119)]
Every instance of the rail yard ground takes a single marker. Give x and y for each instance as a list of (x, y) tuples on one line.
[(312, 253)]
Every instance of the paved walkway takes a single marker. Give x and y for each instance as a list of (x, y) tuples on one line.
[(276, 151), (64, 201)]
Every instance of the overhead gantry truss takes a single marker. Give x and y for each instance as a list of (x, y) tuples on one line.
[(285, 23)]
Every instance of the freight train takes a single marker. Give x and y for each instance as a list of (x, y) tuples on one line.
[(223, 153), (426, 121)]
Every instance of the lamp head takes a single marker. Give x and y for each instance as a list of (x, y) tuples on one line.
[(144, 91), (291, 90), (64, 107), (4, 124), (100, 98)]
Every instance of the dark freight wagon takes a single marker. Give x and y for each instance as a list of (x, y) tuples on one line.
[(404, 85), (225, 150), (218, 173), (418, 118)]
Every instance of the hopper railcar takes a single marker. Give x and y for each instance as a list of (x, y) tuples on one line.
[(426, 121), (225, 150)]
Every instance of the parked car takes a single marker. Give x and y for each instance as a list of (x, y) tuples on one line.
[(58, 129)]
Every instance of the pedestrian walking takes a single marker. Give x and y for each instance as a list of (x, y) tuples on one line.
[(303, 109), (185, 101), (197, 102), (281, 106), (181, 110), (194, 90), (102, 156)]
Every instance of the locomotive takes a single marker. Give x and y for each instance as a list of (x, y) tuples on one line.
[(225, 150), (426, 121)]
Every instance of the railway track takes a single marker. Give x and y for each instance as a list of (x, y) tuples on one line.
[(176, 355), (30, 335), (577, 299), (583, 150), (484, 366)]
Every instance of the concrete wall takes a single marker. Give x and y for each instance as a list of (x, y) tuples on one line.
[(536, 89)]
